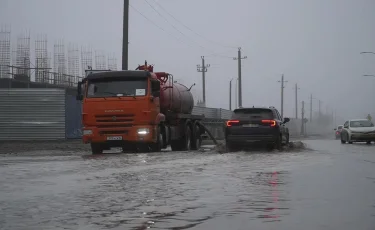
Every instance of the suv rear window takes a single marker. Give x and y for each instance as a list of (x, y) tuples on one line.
[(253, 113)]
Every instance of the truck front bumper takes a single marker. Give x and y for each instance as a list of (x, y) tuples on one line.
[(135, 134)]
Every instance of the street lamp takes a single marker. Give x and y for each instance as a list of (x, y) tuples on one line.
[(369, 75), (367, 52)]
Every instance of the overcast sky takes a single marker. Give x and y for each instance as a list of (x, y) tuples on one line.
[(315, 43)]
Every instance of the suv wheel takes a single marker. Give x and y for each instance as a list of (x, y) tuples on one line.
[(278, 143), (230, 146)]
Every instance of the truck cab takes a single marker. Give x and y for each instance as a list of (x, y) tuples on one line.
[(120, 109)]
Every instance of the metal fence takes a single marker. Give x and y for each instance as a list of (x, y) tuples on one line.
[(41, 76), (294, 126), (73, 117), (212, 113), (31, 114), (48, 113)]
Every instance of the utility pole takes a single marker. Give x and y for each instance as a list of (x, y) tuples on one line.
[(239, 58), (303, 118), (311, 107), (125, 36), (236, 95), (203, 69), (320, 103), (282, 95), (230, 94), (296, 89)]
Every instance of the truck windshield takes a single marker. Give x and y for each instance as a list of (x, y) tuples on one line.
[(117, 88)]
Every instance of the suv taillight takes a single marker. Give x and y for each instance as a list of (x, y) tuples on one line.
[(271, 123), (232, 122)]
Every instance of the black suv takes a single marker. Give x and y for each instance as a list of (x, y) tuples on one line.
[(252, 125)]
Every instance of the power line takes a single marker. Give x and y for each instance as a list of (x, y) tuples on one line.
[(183, 34), (161, 28), (192, 29)]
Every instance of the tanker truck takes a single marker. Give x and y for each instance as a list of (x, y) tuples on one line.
[(138, 110)]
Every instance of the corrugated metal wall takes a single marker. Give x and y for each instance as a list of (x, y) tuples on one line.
[(32, 114), (73, 117)]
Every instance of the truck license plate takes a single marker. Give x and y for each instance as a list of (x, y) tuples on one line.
[(114, 138), (251, 125)]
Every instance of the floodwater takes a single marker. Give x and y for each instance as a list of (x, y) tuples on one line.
[(324, 186)]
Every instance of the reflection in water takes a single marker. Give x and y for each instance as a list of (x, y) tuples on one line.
[(270, 211)]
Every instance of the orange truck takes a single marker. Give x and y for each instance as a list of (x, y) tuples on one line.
[(138, 110)]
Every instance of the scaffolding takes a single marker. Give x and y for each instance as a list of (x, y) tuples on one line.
[(23, 56), (73, 62), (112, 62), (59, 64), (100, 60), (41, 59), (4, 51), (14, 55), (86, 59)]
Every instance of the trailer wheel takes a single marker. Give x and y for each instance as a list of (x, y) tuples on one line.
[(96, 148), (183, 144), (196, 138), (187, 141)]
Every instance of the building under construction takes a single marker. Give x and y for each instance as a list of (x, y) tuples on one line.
[(100, 60), (42, 63), (5, 52), (61, 68)]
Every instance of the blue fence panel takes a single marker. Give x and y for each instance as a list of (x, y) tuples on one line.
[(73, 117)]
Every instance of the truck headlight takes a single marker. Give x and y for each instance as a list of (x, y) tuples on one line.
[(87, 132), (143, 131)]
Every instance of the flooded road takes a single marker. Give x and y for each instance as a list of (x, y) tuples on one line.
[(326, 186)]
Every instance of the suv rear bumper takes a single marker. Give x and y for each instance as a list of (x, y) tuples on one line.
[(248, 139)]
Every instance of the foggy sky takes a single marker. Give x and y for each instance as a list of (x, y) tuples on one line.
[(315, 43)]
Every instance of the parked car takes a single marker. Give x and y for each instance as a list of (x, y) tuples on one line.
[(256, 125), (358, 130), (338, 131)]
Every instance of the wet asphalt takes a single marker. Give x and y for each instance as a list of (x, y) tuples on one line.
[(326, 185)]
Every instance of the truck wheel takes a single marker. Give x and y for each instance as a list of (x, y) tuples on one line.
[(96, 148), (165, 134), (156, 147), (196, 138)]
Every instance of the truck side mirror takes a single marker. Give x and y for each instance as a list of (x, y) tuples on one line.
[(79, 96), (155, 85), (155, 88), (156, 94)]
